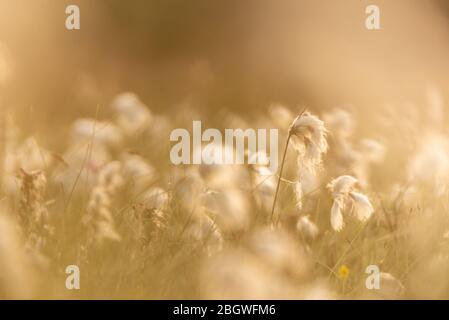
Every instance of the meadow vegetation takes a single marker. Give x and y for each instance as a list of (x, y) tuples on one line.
[(108, 200)]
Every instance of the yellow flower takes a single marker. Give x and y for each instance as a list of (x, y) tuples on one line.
[(343, 272)]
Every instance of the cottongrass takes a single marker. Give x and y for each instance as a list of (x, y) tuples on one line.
[(150, 214), (308, 134), (307, 228), (132, 116), (344, 195), (99, 219), (33, 213), (309, 138), (105, 199)]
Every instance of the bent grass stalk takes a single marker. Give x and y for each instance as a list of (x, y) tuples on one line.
[(282, 165)]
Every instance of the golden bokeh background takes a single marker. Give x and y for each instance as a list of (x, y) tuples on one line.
[(382, 95), (234, 54)]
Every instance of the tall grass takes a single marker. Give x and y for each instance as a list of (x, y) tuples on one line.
[(139, 227)]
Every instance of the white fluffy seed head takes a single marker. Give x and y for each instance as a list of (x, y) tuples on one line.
[(307, 228), (309, 138), (390, 286), (339, 123), (106, 133), (337, 222), (342, 185), (429, 166), (362, 207), (344, 194), (372, 150), (110, 176), (132, 115)]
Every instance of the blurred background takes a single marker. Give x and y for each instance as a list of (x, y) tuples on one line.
[(242, 55), (225, 63)]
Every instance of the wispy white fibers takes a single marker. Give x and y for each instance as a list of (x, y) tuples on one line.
[(362, 206), (309, 138), (340, 123), (429, 166), (308, 135), (341, 185), (86, 129), (307, 227), (372, 150), (345, 196), (337, 215), (132, 115)]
